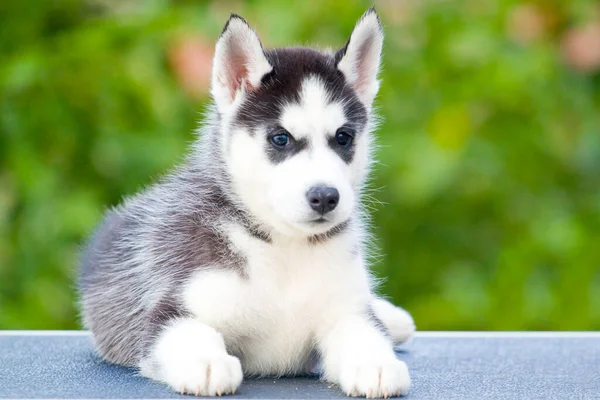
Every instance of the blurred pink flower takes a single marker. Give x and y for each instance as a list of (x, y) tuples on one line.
[(528, 23), (190, 58), (581, 47)]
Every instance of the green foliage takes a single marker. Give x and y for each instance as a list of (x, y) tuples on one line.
[(490, 147)]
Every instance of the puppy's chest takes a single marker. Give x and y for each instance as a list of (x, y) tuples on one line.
[(274, 284), (275, 305)]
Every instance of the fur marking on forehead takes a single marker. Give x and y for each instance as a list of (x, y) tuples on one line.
[(314, 115), (284, 85)]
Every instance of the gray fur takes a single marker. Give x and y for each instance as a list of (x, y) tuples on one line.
[(134, 264)]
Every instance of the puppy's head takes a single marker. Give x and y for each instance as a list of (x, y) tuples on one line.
[(295, 125)]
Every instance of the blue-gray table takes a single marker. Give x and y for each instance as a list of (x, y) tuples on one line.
[(443, 365)]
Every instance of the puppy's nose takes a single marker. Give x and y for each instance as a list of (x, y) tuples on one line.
[(323, 199)]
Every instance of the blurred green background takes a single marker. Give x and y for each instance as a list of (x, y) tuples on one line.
[(489, 180)]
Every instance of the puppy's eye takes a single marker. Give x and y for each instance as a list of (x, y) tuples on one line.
[(281, 139), (343, 137)]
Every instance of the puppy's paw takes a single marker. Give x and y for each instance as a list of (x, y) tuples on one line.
[(397, 321), (191, 358), (375, 380), (216, 375)]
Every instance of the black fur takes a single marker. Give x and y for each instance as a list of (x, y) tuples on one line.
[(346, 153), (277, 155), (333, 232)]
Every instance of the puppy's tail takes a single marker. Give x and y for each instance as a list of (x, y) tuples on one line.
[(397, 322)]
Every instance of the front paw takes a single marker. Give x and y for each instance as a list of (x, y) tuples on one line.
[(191, 358), (213, 375), (383, 379)]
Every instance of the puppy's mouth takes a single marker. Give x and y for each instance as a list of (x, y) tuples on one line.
[(317, 225)]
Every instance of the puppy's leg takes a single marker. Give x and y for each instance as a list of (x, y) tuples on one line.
[(191, 358), (359, 357), (397, 321)]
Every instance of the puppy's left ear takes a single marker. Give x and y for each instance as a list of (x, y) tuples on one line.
[(359, 60), (239, 62)]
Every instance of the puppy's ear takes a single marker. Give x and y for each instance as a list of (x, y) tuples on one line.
[(239, 62), (359, 60)]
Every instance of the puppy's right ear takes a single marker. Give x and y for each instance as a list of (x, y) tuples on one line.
[(239, 63)]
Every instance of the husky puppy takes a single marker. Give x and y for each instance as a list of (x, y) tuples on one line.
[(249, 259)]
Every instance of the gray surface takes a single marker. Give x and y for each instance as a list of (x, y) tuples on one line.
[(443, 366)]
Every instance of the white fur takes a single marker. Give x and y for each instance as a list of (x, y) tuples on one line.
[(287, 305), (399, 323), (315, 116), (191, 358), (358, 357), (275, 194), (279, 305)]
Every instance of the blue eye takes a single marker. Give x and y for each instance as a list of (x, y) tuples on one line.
[(280, 140), (343, 138)]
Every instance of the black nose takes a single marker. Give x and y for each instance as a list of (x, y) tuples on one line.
[(323, 199)]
